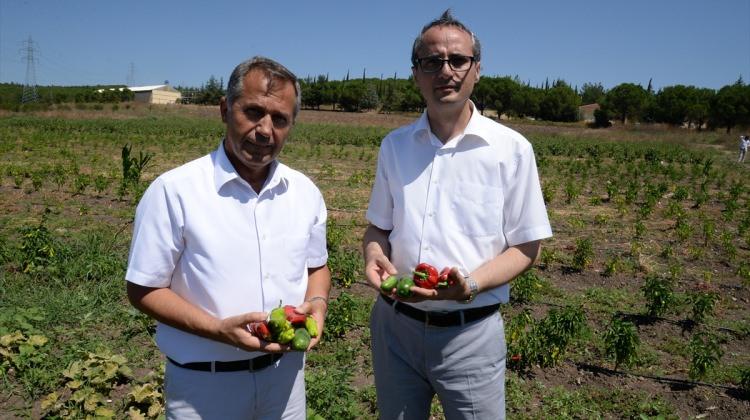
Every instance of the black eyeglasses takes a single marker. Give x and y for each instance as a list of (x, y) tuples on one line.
[(456, 62)]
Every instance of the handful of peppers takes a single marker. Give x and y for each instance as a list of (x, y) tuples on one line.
[(424, 275), (285, 326)]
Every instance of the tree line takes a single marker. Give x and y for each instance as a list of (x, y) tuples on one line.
[(678, 105)]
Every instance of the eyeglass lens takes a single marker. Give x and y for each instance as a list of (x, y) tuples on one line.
[(456, 63)]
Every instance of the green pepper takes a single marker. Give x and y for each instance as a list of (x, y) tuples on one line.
[(403, 288), (277, 321), (301, 340), (311, 326), (286, 336), (388, 284)]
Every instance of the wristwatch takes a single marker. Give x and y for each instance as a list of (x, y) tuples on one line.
[(473, 290)]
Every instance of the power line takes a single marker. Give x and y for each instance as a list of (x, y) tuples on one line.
[(29, 86)]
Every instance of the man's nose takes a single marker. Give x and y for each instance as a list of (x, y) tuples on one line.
[(264, 130)]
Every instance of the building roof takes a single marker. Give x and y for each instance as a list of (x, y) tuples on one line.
[(150, 88)]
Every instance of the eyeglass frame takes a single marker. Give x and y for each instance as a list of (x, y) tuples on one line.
[(472, 60)]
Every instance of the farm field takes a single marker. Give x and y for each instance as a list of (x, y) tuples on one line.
[(639, 306)]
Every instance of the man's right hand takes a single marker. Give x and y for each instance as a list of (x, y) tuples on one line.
[(377, 269), (234, 331), (376, 250)]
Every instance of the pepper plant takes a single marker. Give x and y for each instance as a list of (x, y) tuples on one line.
[(583, 255), (705, 352), (621, 341), (659, 294), (703, 302)]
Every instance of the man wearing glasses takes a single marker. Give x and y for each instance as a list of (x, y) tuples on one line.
[(456, 190)]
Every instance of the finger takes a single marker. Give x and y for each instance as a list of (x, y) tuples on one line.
[(254, 317), (389, 268), (422, 292), (304, 308)]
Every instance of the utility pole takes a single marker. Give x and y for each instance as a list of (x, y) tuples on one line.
[(29, 87)]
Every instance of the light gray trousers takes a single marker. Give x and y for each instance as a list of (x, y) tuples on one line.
[(464, 365), (276, 392)]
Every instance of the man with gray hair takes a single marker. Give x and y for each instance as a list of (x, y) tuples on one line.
[(460, 192), (218, 243)]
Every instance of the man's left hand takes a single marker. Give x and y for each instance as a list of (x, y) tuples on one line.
[(317, 309), (459, 291)]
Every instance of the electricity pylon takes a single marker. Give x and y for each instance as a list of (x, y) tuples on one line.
[(29, 87)]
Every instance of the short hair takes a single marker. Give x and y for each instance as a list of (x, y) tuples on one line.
[(272, 69), (446, 19)]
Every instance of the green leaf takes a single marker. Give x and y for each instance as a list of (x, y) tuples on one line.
[(74, 370), (74, 384), (37, 340), (135, 414), (154, 409), (50, 400), (104, 412)]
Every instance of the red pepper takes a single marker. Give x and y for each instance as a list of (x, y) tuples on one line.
[(293, 317), (444, 279), (425, 276), (260, 330)]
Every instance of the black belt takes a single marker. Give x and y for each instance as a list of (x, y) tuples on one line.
[(443, 319), (251, 365)]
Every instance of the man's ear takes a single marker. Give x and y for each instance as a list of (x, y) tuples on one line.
[(223, 108)]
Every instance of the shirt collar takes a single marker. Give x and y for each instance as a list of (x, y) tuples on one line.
[(477, 127), (224, 171)]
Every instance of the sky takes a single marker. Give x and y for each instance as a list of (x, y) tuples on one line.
[(90, 42)]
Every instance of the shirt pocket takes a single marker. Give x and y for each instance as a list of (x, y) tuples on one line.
[(474, 209), (288, 254)]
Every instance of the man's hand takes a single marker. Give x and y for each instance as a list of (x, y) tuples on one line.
[(234, 331), (377, 269), (459, 291), (376, 249), (317, 309)]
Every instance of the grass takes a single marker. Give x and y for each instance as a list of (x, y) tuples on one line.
[(82, 310)]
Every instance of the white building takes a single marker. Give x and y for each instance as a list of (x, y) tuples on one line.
[(157, 94)]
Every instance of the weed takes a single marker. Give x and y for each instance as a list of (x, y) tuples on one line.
[(88, 384), (37, 246)]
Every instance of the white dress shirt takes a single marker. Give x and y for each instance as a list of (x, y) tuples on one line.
[(202, 231), (457, 204)]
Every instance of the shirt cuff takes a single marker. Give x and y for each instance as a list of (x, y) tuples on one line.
[(529, 235), (379, 222)]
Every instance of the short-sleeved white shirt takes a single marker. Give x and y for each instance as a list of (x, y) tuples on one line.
[(459, 204), (202, 231)]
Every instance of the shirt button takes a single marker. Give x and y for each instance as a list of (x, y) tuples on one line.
[(427, 248)]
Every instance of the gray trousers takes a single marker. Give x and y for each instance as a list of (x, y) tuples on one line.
[(464, 365), (276, 392)]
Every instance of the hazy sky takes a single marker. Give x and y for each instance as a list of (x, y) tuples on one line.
[(86, 42)]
